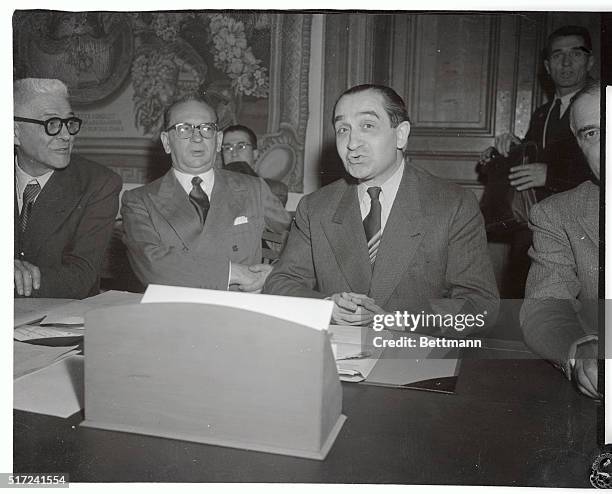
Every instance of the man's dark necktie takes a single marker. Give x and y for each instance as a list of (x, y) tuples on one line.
[(199, 199), (29, 196), (372, 223), (554, 128)]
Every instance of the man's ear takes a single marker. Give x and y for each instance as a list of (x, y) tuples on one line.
[(219, 141), (16, 134), (547, 66), (402, 132), (590, 63), (255, 154), (165, 142)]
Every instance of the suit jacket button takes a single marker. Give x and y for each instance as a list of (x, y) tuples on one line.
[(235, 248)]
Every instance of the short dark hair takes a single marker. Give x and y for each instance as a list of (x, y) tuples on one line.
[(194, 96), (564, 31), (394, 105), (245, 129)]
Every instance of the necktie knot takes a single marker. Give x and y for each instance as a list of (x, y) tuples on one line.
[(199, 199), (374, 192)]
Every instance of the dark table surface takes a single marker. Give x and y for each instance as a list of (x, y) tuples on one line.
[(514, 422)]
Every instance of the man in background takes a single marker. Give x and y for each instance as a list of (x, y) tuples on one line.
[(64, 205), (389, 236), (559, 314), (198, 226), (240, 154), (559, 164)]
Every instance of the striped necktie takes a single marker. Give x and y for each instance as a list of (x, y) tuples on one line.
[(30, 193), (372, 223), (199, 199)]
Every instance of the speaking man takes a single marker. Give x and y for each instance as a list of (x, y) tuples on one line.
[(389, 237)]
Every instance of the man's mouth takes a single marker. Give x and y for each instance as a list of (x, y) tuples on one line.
[(355, 159)]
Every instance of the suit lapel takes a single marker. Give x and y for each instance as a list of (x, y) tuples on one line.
[(347, 239), (401, 238), (173, 203), (225, 206), (58, 198)]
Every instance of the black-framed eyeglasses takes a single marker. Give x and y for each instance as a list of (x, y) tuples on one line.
[(185, 130), (53, 125), (238, 146)]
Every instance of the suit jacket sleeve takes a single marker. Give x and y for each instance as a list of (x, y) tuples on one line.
[(155, 262), (82, 258), (549, 316), (294, 274), (276, 216), (469, 274)]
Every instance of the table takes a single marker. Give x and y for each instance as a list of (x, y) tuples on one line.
[(511, 422)]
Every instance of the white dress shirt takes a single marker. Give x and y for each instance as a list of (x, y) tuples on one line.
[(22, 179), (386, 197), (208, 180)]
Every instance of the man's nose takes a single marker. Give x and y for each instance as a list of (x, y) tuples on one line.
[(354, 140), (234, 150), (196, 136), (63, 133), (566, 59)]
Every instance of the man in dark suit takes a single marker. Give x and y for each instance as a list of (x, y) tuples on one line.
[(390, 237), (559, 314), (559, 164), (198, 226), (64, 205), (240, 153)]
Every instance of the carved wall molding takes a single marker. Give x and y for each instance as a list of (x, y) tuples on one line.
[(288, 103)]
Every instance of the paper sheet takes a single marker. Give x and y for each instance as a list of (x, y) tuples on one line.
[(313, 313), (74, 312), (55, 390), (347, 342), (29, 358), (396, 366), (28, 332), (29, 310)]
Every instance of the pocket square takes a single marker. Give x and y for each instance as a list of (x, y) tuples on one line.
[(239, 220)]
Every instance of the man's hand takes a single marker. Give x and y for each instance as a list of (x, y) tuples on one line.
[(259, 273), (349, 310), (585, 370), (504, 142), (27, 277), (525, 177)]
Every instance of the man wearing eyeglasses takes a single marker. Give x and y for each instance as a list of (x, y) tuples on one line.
[(239, 155), (198, 226), (64, 205)]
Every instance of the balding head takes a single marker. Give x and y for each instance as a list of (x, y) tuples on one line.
[(585, 123)]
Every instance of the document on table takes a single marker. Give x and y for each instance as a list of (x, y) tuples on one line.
[(310, 312), (74, 312), (55, 390), (29, 310), (419, 367), (28, 332), (29, 358), (354, 359)]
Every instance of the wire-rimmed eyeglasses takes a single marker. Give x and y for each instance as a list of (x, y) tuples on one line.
[(53, 126), (238, 146)]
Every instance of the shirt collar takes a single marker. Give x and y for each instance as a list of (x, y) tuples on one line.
[(23, 178), (208, 180), (565, 101), (390, 185)]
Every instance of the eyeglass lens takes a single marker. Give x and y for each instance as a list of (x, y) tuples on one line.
[(186, 130)]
